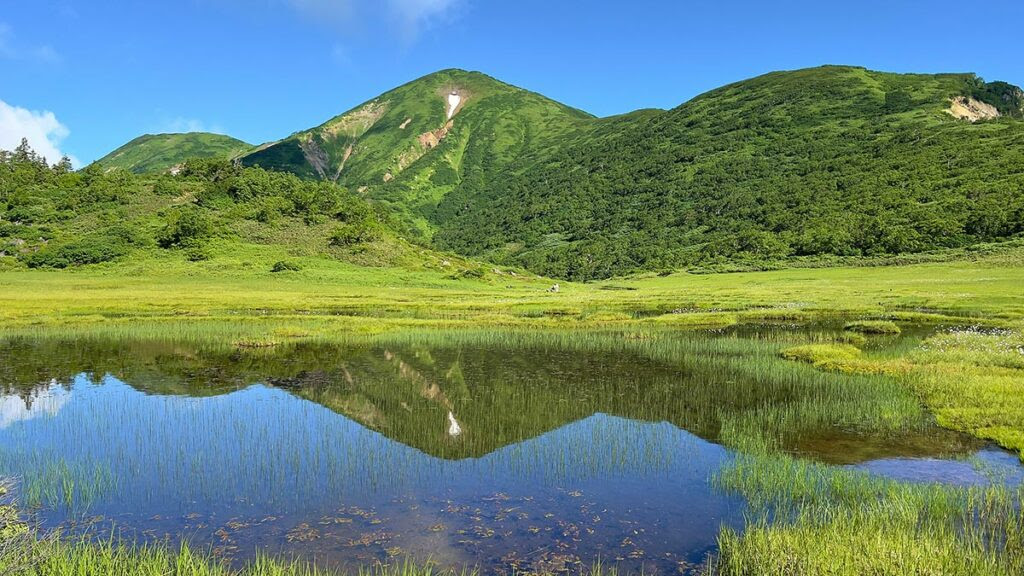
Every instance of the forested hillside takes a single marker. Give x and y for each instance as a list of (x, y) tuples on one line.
[(829, 161), (410, 147), (51, 216)]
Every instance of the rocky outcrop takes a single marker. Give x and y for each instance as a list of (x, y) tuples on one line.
[(972, 110), (431, 139), (315, 155)]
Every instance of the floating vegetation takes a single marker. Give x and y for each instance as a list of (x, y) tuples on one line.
[(872, 327)]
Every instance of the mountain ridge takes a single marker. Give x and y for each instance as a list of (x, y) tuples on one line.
[(828, 161)]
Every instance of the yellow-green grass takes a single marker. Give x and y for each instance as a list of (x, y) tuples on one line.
[(56, 557), (972, 379), (237, 283), (843, 523), (872, 327)]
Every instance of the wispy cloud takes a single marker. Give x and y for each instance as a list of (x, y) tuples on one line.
[(6, 38), (11, 49), (414, 16), (42, 129), (407, 18), (48, 54), (182, 124)]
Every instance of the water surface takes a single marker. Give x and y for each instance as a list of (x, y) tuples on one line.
[(504, 455)]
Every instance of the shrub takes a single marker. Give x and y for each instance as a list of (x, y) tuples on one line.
[(354, 233), (477, 272), (89, 250), (273, 207), (284, 266), (197, 254), (185, 227), (444, 175), (166, 186)]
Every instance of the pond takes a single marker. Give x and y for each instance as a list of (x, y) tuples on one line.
[(522, 452)]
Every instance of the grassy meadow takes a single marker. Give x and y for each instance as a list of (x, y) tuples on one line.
[(808, 519), (330, 297)]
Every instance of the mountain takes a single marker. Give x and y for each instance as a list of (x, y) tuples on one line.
[(829, 164), (411, 146), (822, 163), (161, 152)]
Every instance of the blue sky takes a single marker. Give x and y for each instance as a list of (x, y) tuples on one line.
[(83, 77)]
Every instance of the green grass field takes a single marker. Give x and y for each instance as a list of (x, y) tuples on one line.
[(336, 297)]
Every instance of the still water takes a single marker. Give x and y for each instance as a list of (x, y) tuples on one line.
[(501, 456)]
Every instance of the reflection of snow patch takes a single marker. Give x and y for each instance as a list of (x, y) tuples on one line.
[(453, 103), (14, 409), (453, 425)]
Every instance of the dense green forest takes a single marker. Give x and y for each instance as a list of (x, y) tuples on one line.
[(827, 164)]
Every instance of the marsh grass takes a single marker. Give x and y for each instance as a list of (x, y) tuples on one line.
[(111, 557), (812, 519), (820, 520), (872, 327)]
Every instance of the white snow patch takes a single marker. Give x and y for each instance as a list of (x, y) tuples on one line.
[(453, 103), (453, 425)]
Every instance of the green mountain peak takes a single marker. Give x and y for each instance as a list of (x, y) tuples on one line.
[(161, 152)]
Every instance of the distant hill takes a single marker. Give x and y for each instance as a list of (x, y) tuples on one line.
[(822, 163), (161, 152)]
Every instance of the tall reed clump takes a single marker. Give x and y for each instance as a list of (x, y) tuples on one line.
[(20, 548), (812, 519), (807, 518), (55, 557)]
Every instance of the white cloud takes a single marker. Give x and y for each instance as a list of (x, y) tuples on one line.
[(42, 129)]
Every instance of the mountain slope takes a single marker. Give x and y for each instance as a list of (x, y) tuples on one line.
[(832, 161), (161, 152), (411, 146), (822, 163)]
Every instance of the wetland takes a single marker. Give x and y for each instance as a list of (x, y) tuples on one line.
[(496, 451)]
